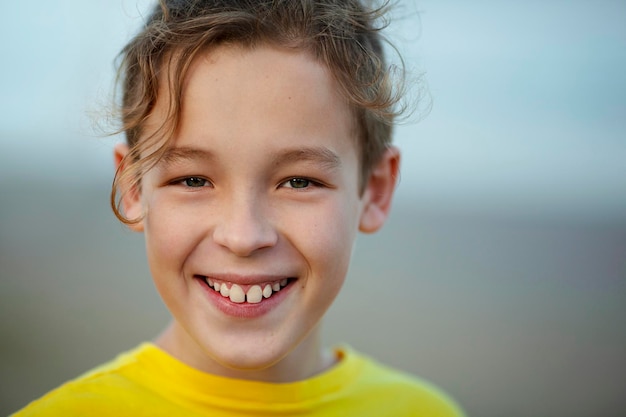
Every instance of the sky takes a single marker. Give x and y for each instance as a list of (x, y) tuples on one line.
[(527, 100)]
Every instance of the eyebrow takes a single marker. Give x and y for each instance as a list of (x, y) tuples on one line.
[(175, 154), (318, 155)]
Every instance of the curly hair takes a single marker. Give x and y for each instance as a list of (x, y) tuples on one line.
[(343, 35)]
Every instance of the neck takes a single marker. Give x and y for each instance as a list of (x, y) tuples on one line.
[(305, 361)]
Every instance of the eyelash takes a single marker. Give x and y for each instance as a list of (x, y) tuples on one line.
[(288, 183), (309, 183), (185, 182)]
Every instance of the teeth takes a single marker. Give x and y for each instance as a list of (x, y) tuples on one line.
[(254, 295), (225, 291), (236, 294)]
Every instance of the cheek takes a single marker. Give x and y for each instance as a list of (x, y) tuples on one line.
[(170, 235), (327, 241)]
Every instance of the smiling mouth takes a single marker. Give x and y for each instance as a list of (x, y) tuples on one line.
[(251, 294)]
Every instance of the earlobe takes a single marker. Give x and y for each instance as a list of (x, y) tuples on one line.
[(131, 204), (379, 190)]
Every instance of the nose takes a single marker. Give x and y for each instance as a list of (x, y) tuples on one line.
[(244, 228)]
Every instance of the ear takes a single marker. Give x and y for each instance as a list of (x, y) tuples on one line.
[(379, 189), (131, 206)]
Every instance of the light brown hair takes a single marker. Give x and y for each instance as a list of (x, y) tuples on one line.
[(344, 35)]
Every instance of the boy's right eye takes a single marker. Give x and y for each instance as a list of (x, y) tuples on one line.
[(194, 182)]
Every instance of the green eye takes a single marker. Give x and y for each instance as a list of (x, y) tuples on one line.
[(195, 182), (299, 183)]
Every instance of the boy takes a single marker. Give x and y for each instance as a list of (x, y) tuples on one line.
[(258, 144)]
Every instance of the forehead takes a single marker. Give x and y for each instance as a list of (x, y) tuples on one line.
[(264, 91)]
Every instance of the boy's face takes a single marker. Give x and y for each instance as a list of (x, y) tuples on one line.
[(260, 192)]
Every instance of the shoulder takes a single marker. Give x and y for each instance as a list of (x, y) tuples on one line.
[(98, 392), (406, 394)]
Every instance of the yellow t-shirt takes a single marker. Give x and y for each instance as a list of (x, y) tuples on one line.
[(147, 381)]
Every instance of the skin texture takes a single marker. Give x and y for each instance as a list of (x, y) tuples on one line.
[(263, 184)]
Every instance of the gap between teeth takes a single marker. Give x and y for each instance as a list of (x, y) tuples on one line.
[(255, 293)]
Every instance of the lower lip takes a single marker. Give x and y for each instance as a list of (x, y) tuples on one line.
[(244, 310)]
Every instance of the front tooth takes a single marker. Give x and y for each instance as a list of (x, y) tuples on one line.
[(283, 282), (267, 291), (236, 294), (276, 286), (254, 295), (224, 291), (216, 286)]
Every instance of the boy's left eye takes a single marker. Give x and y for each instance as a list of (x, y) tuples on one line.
[(297, 183)]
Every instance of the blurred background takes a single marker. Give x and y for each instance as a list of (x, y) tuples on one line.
[(501, 275)]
